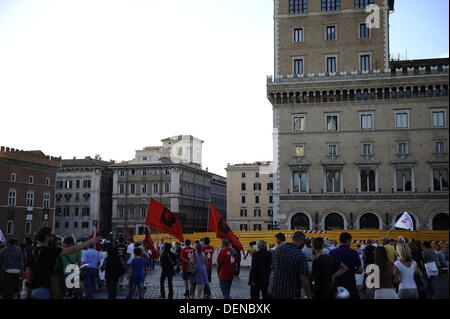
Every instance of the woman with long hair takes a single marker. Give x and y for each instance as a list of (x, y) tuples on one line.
[(386, 290), (200, 278), (405, 268)]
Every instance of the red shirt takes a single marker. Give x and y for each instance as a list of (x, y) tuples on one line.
[(226, 264), (209, 252), (186, 253)]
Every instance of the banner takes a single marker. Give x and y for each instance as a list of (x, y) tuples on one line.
[(220, 226), (161, 218), (405, 222)]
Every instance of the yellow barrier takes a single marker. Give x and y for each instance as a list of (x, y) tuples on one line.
[(246, 237)]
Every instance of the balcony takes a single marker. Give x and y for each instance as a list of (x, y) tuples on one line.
[(403, 156), (368, 157)]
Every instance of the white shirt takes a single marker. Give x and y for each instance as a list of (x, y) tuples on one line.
[(130, 250), (406, 275)]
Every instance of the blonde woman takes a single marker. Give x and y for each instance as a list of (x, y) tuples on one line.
[(404, 269)]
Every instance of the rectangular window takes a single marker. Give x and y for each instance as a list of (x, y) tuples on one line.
[(242, 175), (143, 188), (270, 212), (155, 188), (46, 200), (300, 150), (166, 187), (404, 180), (243, 227), (75, 225), (439, 147), (243, 187), (403, 148), (270, 199), (257, 186), (298, 66), (367, 149), (298, 35), (243, 212), (243, 199), (299, 182), (332, 150), (331, 33), (256, 199), (270, 186), (438, 119), (13, 177), (120, 212), (366, 122), (298, 6), (331, 5), (77, 183), (66, 211), (332, 123), (76, 212), (132, 188), (85, 211), (402, 119), (121, 188), (331, 64), (257, 212), (299, 124), (30, 199), (364, 31), (144, 172), (365, 62), (257, 227), (361, 4), (333, 181), (87, 183), (440, 179), (12, 197), (368, 180)]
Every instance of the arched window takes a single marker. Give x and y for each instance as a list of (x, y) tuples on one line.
[(10, 227), (28, 228), (369, 221), (300, 221), (440, 222), (334, 221)]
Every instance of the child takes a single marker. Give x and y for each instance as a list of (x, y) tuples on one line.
[(136, 273)]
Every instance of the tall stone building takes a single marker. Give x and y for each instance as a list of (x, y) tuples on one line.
[(173, 177), (249, 196), (219, 194), (27, 191), (358, 138), (83, 197)]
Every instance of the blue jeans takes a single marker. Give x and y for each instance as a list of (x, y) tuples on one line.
[(89, 278), (40, 293), (225, 286), (136, 284)]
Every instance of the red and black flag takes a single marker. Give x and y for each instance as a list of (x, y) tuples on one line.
[(220, 226), (148, 243), (161, 218)]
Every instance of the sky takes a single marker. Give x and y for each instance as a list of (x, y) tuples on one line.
[(108, 77)]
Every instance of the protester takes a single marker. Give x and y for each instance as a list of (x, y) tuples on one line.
[(237, 256), (185, 256), (350, 258), (429, 256), (386, 267), (70, 260), (417, 255), (41, 264), (200, 278), (136, 273), (260, 272), (226, 264), (390, 250), (324, 271), (289, 270), (209, 252), (168, 262), (113, 267), (441, 259), (404, 269), (91, 261), (11, 265), (280, 238)]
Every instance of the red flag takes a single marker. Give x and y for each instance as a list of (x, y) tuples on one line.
[(162, 219), (148, 243), (220, 226)]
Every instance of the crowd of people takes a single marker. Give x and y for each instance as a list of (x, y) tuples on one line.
[(316, 268)]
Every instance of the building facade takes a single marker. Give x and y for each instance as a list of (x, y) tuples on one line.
[(358, 139), (27, 191), (219, 194), (250, 198), (83, 197), (181, 186)]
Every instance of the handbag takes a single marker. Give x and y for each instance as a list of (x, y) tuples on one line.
[(192, 267)]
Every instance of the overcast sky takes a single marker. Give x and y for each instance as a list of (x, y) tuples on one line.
[(87, 77)]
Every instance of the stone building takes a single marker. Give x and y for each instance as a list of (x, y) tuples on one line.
[(83, 197), (358, 138), (249, 196), (219, 194), (27, 191), (178, 183)]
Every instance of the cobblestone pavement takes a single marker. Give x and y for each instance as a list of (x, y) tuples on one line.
[(240, 288)]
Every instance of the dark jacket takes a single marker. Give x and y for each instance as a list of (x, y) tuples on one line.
[(168, 261), (113, 267), (261, 267)]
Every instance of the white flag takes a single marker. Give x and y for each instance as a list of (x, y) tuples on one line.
[(2, 238), (405, 222)]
